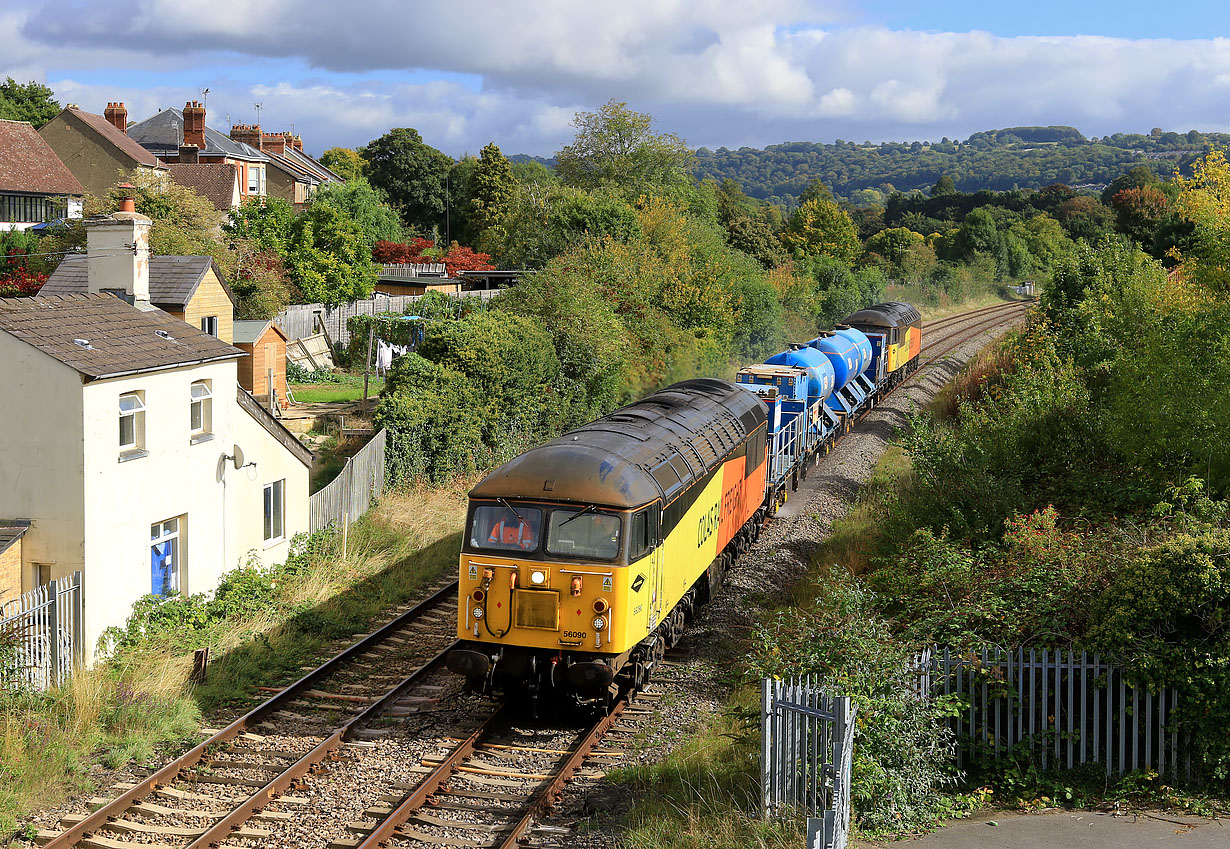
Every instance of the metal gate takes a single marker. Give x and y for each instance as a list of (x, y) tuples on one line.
[(40, 635), (806, 746)]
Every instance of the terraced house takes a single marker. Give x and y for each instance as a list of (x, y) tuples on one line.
[(132, 454)]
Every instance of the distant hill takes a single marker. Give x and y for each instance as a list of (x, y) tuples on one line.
[(1015, 157), (1024, 157)]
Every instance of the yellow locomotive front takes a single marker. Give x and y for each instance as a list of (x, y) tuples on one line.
[(583, 557)]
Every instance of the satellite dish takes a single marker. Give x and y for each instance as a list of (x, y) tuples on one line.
[(237, 457)]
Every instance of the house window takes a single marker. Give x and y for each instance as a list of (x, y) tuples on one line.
[(274, 503), (262, 173), (166, 568), (201, 408), (209, 324), (254, 180), (132, 421)]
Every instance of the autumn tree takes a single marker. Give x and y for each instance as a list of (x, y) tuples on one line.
[(1204, 200), (31, 102), (344, 162), (492, 186), (617, 146), (819, 227), (411, 174), (1139, 213)]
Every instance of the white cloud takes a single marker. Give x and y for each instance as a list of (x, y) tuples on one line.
[(717, 72)]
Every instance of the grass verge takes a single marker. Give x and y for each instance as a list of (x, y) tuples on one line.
[(139, 707), (349, 387), (705, 793)]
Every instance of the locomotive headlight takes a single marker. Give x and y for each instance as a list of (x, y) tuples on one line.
[(599, 623), (538, 577), (477, 612)]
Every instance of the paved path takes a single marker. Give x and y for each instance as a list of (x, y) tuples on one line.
[(1071, 830)]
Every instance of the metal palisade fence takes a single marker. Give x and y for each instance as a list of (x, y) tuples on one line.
[(807, 744), (1067, 707), (41, 640), (348, 496)]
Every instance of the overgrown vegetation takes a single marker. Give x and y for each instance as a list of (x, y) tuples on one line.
[(262, 623)]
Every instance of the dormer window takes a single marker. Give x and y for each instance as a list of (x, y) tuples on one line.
[(201, 410)]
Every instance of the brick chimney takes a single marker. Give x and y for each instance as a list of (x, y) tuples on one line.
[(117, 253), (189, 154), (117, 116), (194, 124), (299, 143), (249, 134), (274, 142)]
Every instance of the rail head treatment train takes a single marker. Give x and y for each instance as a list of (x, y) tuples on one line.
[(584, 558)]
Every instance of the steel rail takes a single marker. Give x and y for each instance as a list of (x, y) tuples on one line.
[(386, 830), (935, 324), (544, 799), (171, 771)]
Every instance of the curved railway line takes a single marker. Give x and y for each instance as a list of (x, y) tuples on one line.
[(486, 782)]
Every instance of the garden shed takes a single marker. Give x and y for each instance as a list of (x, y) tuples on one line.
[(265, 343)]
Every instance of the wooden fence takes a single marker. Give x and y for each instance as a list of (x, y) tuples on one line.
[(41, 638), (353, 491), (1068, 708), (302, 320)]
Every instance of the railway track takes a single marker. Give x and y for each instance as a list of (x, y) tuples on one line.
[(488, 789), (220, 789), (484, 784)]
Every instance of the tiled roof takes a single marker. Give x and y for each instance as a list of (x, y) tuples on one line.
[(248, 332), (163, 133), (11, 530), (214, 181), (119, 338), (296, 168), (173, 280), (111, 133), (28, 164)]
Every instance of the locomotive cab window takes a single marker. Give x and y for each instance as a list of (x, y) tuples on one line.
[(500, 528), (583, 533), (643, 535)]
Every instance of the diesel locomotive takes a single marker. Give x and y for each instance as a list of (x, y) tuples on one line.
[(584, 558)]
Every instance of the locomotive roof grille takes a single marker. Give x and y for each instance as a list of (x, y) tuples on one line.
[(639, 453)]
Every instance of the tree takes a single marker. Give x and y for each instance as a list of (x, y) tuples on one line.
[(259, 280), (818, 228), (365, 207), (343, 162), (460, 258), (411, 174), (1136, 178), (1139, 213), (977, 234), (545, 221), (17, 279), (756, 239), (329, 258), (268, 222), (1204, 200), (492, 186), (31, 102), (893, 243), (943, 186), (617, 146)]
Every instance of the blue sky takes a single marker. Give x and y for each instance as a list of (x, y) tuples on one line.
[(716, 72)]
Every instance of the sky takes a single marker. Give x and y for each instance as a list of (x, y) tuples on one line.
[(718, 73)]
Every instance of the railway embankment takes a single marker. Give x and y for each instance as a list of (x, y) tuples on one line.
[(1052, 499)]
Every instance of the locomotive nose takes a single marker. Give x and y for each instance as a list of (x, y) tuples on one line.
[(471, 664)]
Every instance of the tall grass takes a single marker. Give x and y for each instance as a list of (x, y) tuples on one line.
[(139, 704), (706, 792)]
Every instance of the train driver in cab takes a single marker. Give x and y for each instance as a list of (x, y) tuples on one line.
[(514, 531)]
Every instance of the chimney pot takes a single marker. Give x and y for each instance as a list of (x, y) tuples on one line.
[(117, 116)]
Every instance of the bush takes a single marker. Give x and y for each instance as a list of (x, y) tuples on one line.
[(902, 749)]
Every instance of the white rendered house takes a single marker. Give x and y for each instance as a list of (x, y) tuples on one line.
[(132, 451)]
